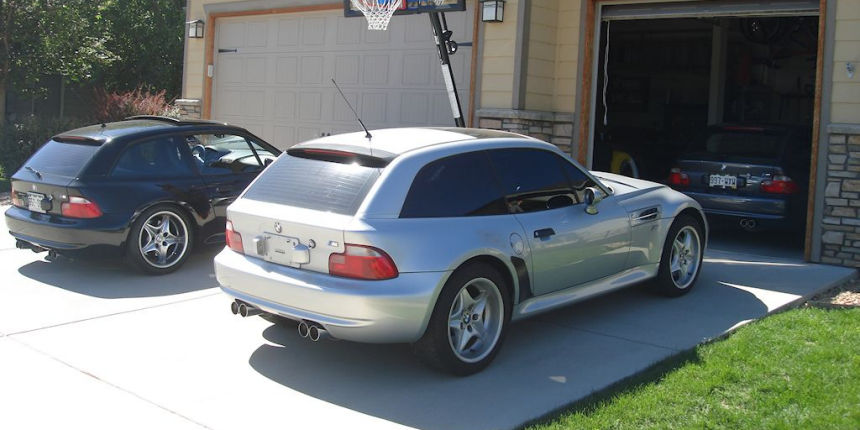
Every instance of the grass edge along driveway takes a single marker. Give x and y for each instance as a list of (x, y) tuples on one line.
[(795, 369)]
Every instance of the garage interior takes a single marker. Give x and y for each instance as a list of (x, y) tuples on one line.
[(669, 79)]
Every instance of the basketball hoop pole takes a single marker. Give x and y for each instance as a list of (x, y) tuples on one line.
[(443, 39)]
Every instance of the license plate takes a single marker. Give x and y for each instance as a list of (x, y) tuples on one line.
[(280, 249), (724, 181), (34, 202)]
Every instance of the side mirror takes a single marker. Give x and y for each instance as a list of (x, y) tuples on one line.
[(593, 196)]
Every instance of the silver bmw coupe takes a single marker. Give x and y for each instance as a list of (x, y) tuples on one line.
[(440, 237)]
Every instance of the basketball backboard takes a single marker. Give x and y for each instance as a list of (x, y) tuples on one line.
[(413, 6)]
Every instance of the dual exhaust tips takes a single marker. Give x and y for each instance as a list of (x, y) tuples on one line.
[(307, 329)]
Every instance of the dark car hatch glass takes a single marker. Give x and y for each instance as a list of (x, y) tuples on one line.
[(745, 144), (316, 184), (64, 159)]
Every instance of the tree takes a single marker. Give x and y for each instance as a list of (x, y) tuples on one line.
[(40, 38), (146, 37)]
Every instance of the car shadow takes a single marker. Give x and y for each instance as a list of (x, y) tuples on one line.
[(548, 362), (112, 279)]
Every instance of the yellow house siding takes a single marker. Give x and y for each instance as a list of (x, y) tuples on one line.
[(540, 75), (497, 60), (567, 52), (845, 106)]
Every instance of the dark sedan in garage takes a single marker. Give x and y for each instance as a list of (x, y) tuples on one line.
[(754, 175), (147, 188)]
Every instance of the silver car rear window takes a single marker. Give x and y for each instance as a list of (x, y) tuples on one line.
[(314, 184)]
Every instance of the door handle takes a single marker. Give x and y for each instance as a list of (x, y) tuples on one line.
[(544, 233)]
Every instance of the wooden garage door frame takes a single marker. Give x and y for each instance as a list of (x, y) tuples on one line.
[(209, 50), (588, 65)]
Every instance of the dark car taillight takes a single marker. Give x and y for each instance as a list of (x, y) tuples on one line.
[(678, 178), (79, 207), (234, 239), (779, 185), (362, 262), (16, 197)]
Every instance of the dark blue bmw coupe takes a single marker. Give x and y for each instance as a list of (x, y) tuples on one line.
[(149, 188)]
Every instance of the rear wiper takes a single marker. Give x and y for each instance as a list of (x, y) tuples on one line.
[(36, 172)]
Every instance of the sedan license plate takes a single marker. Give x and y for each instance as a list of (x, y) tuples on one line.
[(34, 202), (724, 181)]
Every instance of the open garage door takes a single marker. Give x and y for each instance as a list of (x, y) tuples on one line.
[(272, 73), (714, 98)]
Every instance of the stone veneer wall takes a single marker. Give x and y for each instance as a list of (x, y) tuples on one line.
[(189, 108), (555, 128), (840, 221)]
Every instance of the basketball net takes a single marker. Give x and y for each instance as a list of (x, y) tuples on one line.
[(379, 12)]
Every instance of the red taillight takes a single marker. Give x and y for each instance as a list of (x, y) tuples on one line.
[(779, 185), (234, 239), (362, 262), (79, 207), (679, 178), (16, 198)]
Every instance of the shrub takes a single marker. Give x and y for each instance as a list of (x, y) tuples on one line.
[(114, 106), (20, 139)]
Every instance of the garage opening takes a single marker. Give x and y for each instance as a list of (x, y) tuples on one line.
[(717, 104)]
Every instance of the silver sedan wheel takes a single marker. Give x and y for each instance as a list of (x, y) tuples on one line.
[(163, 239), (475, 320), (686, 257)]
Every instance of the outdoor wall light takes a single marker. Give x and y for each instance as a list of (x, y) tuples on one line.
[(195, 29), (492, 10)]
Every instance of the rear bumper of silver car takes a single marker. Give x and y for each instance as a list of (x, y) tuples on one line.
[(389, 311)]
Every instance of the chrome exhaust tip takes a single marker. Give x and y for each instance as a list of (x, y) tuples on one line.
[(304, 330), (247, 311), (234, 307), (317, 333), (748, 224)]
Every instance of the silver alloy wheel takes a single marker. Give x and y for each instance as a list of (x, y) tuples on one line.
[(686, 257), (163, 239), (475, 320)]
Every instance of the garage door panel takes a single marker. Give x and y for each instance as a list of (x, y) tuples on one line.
[(312, 69), (375, 70), (255, 70), (310, 106), (279, 77), (285, 105), (257, 34), (414, 108), (286, 70), (288, 32), (346, 69), (313, 31)]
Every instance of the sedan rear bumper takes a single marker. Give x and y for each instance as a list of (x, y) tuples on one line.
[(62, 234), (390, 311), (765, 208)]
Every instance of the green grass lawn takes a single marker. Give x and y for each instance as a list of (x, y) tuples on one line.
[(796, 369)]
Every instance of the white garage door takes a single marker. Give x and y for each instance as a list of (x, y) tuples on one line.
[(272, 73)]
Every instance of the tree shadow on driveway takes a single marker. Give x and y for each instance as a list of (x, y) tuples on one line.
[(112, 279), (546, 363)]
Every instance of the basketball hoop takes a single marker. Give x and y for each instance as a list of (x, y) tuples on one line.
[(377, 12)]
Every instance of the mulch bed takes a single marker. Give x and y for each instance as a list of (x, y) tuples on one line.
[(846, 295)]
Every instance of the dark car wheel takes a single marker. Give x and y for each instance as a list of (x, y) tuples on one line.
[(160, 240), (468, 323), (681, 261)]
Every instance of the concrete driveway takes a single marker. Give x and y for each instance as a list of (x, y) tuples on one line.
[(92, 345)]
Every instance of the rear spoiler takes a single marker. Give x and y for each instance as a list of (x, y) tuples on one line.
[(343, 154), (83, 140)]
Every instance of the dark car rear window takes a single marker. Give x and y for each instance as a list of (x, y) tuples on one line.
[(314, 184), (61, 158), (745, 144)]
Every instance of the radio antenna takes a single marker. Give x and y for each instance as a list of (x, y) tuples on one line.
[(368, 135)]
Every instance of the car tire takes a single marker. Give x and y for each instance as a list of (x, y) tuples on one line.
[(681, 260), (462, 339), (156, 248)]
